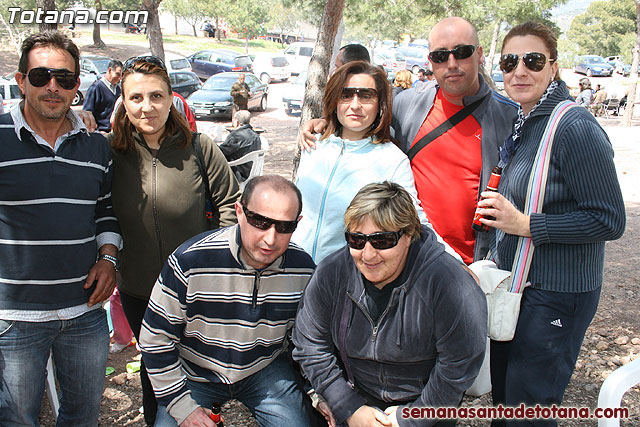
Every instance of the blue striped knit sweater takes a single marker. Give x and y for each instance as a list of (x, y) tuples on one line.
[(53, 204), (583, 204), (213, 319)]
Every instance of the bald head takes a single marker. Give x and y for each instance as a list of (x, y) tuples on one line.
[(457, 77), (454, 24)]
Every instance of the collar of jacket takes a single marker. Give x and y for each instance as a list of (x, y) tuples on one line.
[(235, 244), (351, 146), (546, 108), (168, 140)]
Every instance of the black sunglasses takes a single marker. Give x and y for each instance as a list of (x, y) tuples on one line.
[(40, 76), (264, 223), (535, 61), (129, 63), (366, 95), (460, 52), (381, 240)]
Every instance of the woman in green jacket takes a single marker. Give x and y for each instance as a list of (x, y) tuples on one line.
[(158, 190)]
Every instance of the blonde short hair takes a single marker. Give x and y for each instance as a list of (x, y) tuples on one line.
[(403, 79), (388, 205)]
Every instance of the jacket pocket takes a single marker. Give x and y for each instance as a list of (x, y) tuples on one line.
[(5, 326)]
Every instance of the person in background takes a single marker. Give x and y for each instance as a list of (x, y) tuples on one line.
[(599, 101), (352, 52), (240, 92), (401, 82), (220, 313), (389, 321), (242, 140), (585, 97), (60, 240), (422, 77), (355, 149), (582, 208), (102, 95), (159, 194)]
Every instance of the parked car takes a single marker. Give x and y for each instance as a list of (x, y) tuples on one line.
[(416, 57), (184, 82), (498, 78), (94, 64), (390, 59), (86, 80), (298, 55), (271, 66), (206, 63), (423, 43), (622, 68), (294, 97), (214, 98), (593, 65), (10, 92), (174, 62)]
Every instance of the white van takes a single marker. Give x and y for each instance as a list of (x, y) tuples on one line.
[(299, 54), (270, 66)]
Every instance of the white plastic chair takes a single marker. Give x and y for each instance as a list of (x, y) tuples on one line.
[(257, 157), (264, 143), (614, 387), (52, 391)]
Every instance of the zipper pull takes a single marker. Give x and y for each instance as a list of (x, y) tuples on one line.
[(375, 334)]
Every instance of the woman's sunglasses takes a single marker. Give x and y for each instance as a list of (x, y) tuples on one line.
[(264, 223), (145, 58), (40, 76), (366, 95), (460, 52), (535, 61), (381, 240)]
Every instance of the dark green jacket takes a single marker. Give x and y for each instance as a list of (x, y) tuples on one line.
[(160, 203)]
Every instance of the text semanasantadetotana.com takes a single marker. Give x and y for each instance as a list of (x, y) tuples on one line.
[(518, 412)]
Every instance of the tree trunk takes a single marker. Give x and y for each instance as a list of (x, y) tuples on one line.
[(494, 45), (97, 41), (319, 67), (175, 21), (154, 32), (217, 29), (633, 78), (246, 43), (195, 31), (47, 5)]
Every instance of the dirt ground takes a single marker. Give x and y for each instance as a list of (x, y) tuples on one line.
[(612, 340)]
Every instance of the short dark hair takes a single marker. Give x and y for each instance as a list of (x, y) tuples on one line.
[(333, 92), (114, 63), (428, 72), (276, 182), (421, 70), (54, 39), (354, 52)]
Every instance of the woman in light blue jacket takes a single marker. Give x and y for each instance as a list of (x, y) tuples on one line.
[(355, 149)]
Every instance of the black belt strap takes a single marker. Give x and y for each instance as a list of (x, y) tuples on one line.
[(444, 127)]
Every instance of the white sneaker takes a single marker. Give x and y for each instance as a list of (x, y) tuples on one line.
[(117, 348)]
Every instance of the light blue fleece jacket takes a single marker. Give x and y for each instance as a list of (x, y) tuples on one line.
[(331, 175)]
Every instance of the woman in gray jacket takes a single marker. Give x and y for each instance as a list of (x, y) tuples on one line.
[(390, 321)]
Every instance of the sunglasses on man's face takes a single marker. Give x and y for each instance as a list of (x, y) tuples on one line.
[(366, 95), (381, 240), (264, 223), (460, 52), (535, 61), (145, 58), (40, 76)]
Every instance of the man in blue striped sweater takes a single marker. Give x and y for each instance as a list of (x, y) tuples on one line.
[(216, 325), (58, 242)]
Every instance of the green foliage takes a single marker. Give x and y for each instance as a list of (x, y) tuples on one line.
[(248, 17), (604, 28)]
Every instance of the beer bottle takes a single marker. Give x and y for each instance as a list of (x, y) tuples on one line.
[(494, 180), (215, 416)]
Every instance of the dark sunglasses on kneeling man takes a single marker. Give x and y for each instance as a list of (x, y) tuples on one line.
[(40, 76), (380, 240), (262, 222)]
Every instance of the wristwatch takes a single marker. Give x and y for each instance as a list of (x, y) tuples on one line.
[(111, 259)]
